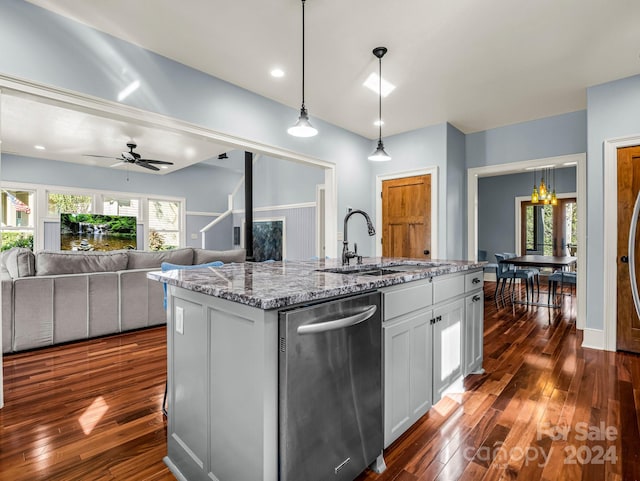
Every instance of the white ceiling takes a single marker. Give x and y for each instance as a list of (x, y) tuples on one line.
[(69, 135), (476, 64)]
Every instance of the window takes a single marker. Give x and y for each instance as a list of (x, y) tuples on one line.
[(18, 218), (69, 203), (120, 206), (164, 224)]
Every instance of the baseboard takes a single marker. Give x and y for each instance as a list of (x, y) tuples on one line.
[(593, 338)]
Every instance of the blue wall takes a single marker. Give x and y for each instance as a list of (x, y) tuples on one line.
[(496, 207), (613, 111), (549, 137)]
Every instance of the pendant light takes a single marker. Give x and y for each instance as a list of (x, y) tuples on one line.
[(303, 127), (379, 155), (535, 198)]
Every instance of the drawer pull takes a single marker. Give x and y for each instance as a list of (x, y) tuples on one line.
[(475, 298), (476, 280)]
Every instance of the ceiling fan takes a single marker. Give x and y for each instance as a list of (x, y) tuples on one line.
[(132, 157)]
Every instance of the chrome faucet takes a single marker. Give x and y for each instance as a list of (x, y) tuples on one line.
[(346, 253)]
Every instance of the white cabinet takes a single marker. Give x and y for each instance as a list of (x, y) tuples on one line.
[(432, 337), (473, 333), (447, 346), (407, 373)]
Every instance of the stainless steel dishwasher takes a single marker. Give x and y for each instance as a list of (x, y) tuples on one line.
[(330, 389)]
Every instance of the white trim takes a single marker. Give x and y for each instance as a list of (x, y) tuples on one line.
[(320, 194), (610, 254), (433, 171), (581, 197), (518, 218), (300, 205), (593, 338), (203, 214), (118, 111)]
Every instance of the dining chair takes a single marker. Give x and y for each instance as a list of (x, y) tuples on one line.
[(563, 278), (534, 270), (506, 272)]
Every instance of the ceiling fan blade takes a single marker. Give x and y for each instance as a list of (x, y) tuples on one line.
[(144, 164), (101, 156), (118, 164), (150, 161)]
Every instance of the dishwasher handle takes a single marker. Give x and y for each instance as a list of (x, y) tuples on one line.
[(316, 328)]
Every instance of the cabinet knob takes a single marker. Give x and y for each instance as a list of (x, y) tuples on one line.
[(475, 298), (476, 280)]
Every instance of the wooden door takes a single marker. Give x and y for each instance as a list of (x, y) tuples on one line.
[(406, 217), (628, 332)]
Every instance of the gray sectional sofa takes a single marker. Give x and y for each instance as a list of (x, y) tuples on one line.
[(52, 297)]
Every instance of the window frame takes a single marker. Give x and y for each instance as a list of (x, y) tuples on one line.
[(42, 216)]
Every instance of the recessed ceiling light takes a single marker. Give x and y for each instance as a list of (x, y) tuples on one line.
[(372, 83), (378, 123), (164, 167), (39, 147), (277, 73), (571, 163)]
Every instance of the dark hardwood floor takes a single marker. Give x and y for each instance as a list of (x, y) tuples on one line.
[(545, 409)]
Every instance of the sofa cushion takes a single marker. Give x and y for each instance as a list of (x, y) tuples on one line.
[(73, 262), (149, 260), (20, 262), (204, 256)]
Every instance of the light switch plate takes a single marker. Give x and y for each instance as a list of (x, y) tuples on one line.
[(179, 320)]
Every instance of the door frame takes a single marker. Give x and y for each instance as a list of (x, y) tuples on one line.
[(580, 161), (433, 171), (610, 255), (518, 217)]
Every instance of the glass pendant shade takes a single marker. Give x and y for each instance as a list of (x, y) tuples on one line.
[(554, 199), (534, 195), (303, 127), (543, 188), (379, 155)]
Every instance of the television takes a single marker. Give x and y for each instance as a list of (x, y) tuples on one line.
[(97, 232)]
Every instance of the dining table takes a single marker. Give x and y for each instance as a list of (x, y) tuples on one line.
[(563, 263)]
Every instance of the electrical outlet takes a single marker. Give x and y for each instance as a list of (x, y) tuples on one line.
[(194, 236), (179, 320)]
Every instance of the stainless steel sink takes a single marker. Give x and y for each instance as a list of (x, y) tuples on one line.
[(384, 268)]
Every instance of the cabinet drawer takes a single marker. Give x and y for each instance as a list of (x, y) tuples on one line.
[(406, 299), (447, 287), (473, 281)]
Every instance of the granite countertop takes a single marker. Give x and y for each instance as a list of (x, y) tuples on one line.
[(273, 285)]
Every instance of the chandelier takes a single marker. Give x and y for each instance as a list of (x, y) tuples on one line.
[(545, 193)]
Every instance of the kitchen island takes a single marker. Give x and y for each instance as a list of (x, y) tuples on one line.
[(223, 348)]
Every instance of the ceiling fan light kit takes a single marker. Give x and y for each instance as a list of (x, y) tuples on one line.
[(303, 127), (379, 155)]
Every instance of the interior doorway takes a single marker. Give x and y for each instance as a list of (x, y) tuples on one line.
[(406, 217), (628, 263), (430, 209)]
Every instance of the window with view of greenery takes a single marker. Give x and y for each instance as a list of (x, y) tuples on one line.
[(120, 206), (164, 225), (539, 227), (69, 203), (18, 218)]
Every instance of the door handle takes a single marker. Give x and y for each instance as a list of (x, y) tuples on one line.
[(624, 259), (339, 323), (426, 252), (632, 252)]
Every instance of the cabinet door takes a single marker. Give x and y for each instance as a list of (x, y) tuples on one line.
[(473, 333), (447, 346), (407, 373)]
